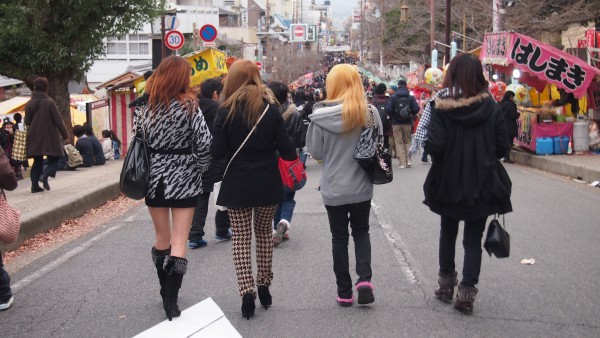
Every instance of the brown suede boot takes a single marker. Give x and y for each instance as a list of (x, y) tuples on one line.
[(446, 290), (465, 298)]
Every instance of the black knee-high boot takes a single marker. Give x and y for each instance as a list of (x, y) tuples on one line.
[(175, 268), (158, 257)]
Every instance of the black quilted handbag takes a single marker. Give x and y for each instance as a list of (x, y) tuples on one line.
[(136, 168), (371, 155)]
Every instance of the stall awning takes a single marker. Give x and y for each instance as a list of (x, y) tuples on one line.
[(539, 63)]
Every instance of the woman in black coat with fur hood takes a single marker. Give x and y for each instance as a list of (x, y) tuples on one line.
[(466, 181)]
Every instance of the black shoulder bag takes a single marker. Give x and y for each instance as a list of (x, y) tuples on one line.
[(371, 155), (136, 167), (497, 240)]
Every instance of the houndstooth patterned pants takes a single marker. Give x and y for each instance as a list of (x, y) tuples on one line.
[(241, 223)]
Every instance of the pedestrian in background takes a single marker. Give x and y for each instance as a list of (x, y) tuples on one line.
[(251, 188), (294, 126), (511, 115), (45, 130), (177, 140), (99, 158), (402, 125), (107, 145), (84, 146), (345, 187), (8, 181), (208, 102), (465, 138)]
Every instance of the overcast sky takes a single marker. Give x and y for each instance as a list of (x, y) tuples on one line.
[(341, 9)]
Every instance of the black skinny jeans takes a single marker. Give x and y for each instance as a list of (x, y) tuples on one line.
[(357, 215), (37, 169), (199, 220), (473, 233)]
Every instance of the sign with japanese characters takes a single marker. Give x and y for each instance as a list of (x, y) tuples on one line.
[(538, 60), (207, 64)]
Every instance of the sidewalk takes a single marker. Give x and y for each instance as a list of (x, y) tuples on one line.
[(72, 194), (584, 166)]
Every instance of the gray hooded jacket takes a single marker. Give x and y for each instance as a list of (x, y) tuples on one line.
[(343, 181)]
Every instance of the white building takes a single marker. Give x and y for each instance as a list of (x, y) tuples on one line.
[(134, 50)]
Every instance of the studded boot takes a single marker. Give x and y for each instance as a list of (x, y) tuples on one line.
[(465, 298), (175, 268), (158, 257), (446, 290)]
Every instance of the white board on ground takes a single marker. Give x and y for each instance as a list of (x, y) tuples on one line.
[(204, 319)]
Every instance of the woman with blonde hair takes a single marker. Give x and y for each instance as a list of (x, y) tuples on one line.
[(177, 140), (248, 131), (345, 187)]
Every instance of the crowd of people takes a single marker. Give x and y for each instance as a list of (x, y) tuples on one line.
[(232, 133)]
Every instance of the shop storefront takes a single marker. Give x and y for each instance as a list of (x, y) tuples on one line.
[(541, 67)]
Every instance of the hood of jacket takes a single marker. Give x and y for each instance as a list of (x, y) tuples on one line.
[(402, 91), (328, 115), (472, 111)]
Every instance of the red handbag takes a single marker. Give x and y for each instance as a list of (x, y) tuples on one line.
[(293, 175)]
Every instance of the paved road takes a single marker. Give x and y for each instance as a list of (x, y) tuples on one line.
[(104, 284)]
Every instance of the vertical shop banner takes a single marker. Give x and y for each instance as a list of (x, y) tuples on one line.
[(207, 64), (495, 49)]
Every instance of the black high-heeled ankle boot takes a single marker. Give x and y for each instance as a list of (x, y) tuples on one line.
[(248, 306), (265, 296)]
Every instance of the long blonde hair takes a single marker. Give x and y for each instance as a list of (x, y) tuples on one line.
[(244, 87), (171, 80), (343, 84)]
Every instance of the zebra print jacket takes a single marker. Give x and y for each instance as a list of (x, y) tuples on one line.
[(178, 149)]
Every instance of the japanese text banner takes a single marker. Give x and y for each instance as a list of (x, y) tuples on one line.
[(551, 65), (207, 64)]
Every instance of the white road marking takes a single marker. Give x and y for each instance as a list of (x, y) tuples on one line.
[(204, 319), (400, 248), (67, 256)]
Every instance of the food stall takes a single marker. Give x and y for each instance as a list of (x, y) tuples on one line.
[(541, 66)]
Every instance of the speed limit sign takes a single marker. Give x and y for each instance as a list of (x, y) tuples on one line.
[(174, 40)]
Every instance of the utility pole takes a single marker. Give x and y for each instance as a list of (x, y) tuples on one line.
[(447, 47), (162, 37), (268, 24), (432, 24), (382, 34), (362, 32), (464, 32)]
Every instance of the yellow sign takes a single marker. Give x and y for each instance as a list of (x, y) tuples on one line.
[(207, 64)]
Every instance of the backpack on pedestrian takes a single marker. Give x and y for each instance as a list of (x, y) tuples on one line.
[(74, 158), (380, 105), (402, 108)]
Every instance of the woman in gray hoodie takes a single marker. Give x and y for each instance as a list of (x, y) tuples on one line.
[(345, 187)]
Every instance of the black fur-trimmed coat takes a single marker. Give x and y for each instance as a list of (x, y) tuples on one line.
[(465, 140), (172, 128)]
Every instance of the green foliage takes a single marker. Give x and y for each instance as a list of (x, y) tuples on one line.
[(60, 39)]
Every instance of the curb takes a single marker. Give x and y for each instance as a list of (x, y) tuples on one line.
[(34, 224), (558, 168)]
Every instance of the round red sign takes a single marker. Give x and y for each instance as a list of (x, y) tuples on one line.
[(259, 65), (299, 31), (174, 40)]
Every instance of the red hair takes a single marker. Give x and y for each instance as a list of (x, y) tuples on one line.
[(171, 80)]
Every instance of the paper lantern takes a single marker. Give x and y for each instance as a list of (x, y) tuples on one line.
[(493, 87), (501, 90), (519, 90), (433, 76)]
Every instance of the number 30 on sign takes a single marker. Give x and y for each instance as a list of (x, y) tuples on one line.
[(174, 40)]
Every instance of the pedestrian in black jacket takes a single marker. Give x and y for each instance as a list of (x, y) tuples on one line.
[(84, 146), (466, 137), (251, 186), (208, 102), (294, 127), (511, 115), (402, 126), (99, 158)]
